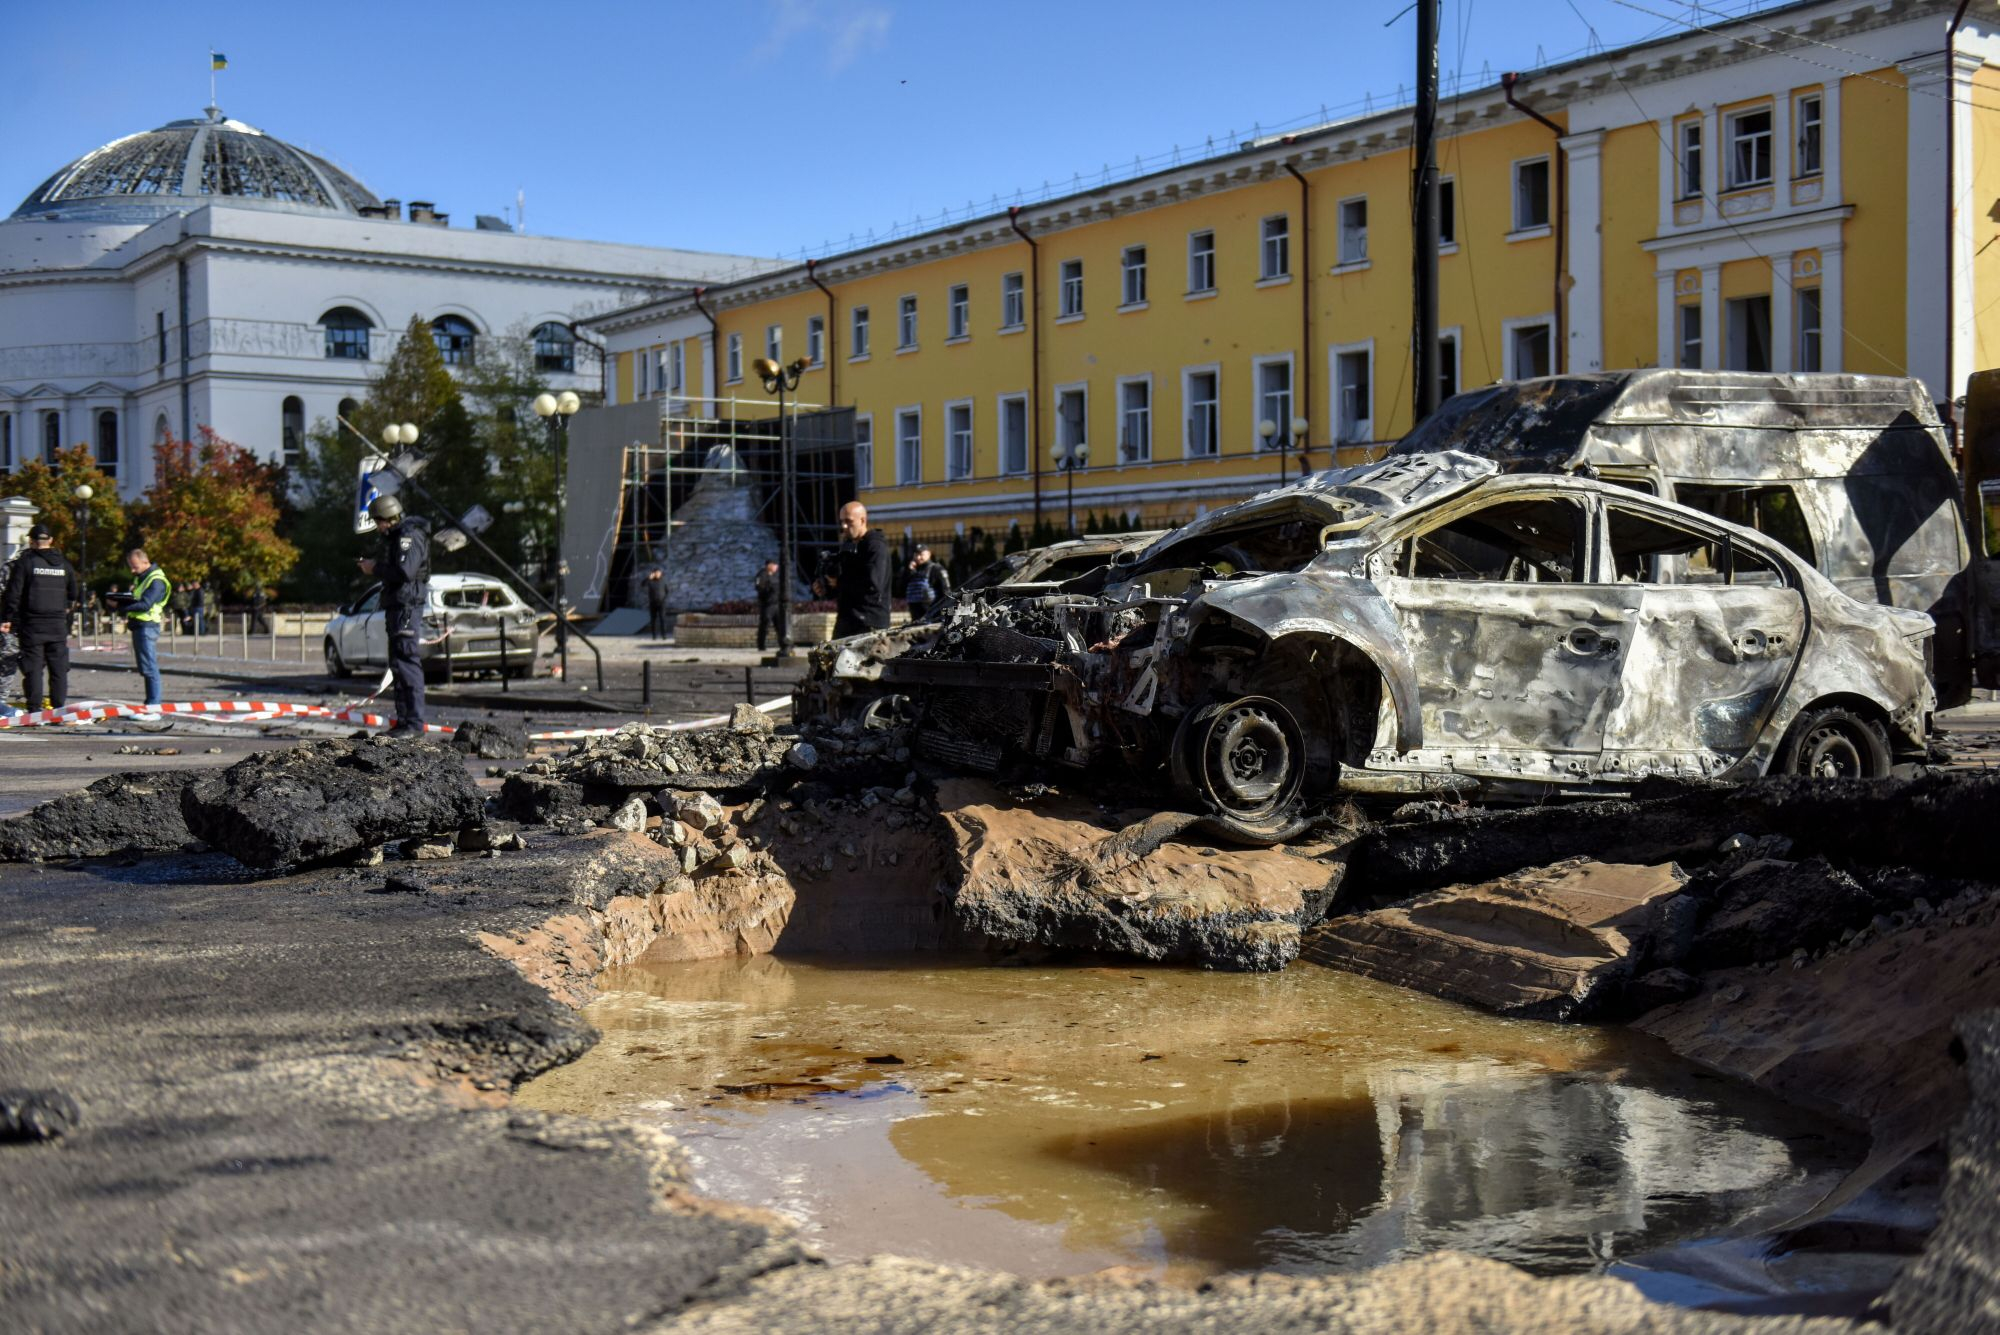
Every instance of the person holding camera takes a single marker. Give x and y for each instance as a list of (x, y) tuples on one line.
[(858, 579)]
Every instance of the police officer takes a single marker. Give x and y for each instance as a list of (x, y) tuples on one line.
[(42, 591), (403, 564)]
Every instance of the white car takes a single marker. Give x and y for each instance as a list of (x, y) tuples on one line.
[(467, 620)]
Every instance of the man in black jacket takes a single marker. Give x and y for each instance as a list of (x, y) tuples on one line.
[(42, 592), (767, 604), (860, 578), (656, 603), (403, 564)]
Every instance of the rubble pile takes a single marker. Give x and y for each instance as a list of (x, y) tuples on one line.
[(326, 800), (491, 741), (135, 813)]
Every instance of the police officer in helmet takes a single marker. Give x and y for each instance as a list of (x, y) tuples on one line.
[(41, 593), (402, 562)]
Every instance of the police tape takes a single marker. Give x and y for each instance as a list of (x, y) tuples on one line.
[(262, 711)]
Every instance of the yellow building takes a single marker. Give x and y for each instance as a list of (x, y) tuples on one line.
[(1762, 194)]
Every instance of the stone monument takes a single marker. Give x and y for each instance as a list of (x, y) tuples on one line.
[(719, 540)]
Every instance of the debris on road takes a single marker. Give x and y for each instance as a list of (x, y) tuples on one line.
[(120, 813)]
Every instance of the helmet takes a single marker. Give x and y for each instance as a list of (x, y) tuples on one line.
[(385, 509)]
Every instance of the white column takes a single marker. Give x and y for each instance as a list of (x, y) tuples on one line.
[(1711, 317), (1584, 155), (1832, 303), (1670, 350), (1782, 306), (708, 376), (1925, 264)]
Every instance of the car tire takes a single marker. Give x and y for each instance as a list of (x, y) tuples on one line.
[(336, 666), (1242, 764), (1834, 742)]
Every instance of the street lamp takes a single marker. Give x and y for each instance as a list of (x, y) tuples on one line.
[(84, 491), (1069, 458), (782, 380), (556, 410), (1299, 429), (1266, 430)]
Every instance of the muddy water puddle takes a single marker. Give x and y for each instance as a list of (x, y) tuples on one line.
[(1058, 1120)]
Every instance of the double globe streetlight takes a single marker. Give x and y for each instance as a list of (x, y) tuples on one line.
[(782, 380), (1267, 429), (556, 410), (1069, 458)]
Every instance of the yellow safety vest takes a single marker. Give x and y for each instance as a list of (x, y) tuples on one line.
[(139, 587)]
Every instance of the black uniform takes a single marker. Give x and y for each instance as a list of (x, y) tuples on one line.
[(42, 589), (656, 606), (861, 599), (403, 564), (767, 606)]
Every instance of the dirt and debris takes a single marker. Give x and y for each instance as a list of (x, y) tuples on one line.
[(137, 813), (325, 800), (491, 741)]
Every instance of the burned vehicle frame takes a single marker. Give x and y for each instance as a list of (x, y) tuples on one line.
[(1417, 625)]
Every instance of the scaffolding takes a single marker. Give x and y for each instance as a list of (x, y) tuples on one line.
[(735, 440)]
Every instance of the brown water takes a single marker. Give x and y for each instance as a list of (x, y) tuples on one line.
[(1056, 1120)]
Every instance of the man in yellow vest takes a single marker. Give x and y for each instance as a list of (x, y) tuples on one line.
[(144, 609)]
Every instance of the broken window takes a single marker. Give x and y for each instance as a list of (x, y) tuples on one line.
[(1690, 318), (1135, 420), (1750, 334), (1203, 425), (1648, 549), (454, 336), (1201, 262), (346, 334), (1354, 231), (906, 323), (1750, 148), (1773, 511), (1274, 401), (1690, 159), (1528, 349), (1447, 366), (1531, 194), (1535, 541), (1808, 115)]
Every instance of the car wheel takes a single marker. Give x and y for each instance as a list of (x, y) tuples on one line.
[(336, 666), (1242, 762), (1833, 742)]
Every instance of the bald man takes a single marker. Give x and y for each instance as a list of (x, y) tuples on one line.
[(859, 581)]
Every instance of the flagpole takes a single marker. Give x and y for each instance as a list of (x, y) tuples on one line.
[(211, 76)]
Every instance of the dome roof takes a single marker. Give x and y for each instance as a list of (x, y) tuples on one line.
[(186, 164)]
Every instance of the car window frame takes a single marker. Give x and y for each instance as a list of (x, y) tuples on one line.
[(1771, 552), (1461, 504)]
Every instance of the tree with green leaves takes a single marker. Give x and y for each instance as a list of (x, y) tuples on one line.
[(53, 490), (212, 514)]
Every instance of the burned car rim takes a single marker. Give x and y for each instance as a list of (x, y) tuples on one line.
[(1836, 743), (1245, 759)]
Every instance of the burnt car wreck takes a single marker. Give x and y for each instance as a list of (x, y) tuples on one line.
[(1422, 624)]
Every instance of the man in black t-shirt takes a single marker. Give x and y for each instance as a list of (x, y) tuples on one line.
[(860, 579)]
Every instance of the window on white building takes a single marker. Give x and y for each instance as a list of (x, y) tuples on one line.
[(1749, 136), (1749, 337), (958, 312), (1353, 396), (909, 446), (1201, 262), (906, 322), (454, 336), (642, 371), (292, 431), (1690, 354), (816, 340), (1274, 400), (1013, 301), (957, 442), (1132, 275), (857, 332), (346, 334), (1014, 434), (6, 443), (160, 334), (1808, 115), (1072, 288), (1274, 254), (107, 442), (1690, 165), (1805, 327), (676, 366), (1530, 350), (1354, 230), (735, 359), (51, 435), (555, 347), (1531, 194), (1202, 423), (1135, 421)]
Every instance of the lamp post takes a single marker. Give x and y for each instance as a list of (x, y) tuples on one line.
[(1266, 431), (1069, 458), (1299, 429), (783, 380), (84, 491), (556, 410)]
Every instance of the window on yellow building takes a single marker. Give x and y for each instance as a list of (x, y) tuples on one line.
[(857, 333), (1274, 400), (864, 450), (1531, 194), (1805, 327), (1135, 420), (1354, 230), (735, 365), (1448, 211), (1749, 134), (1749, 336), (1807, 115), (1201, 262), (1202, 425), (774, 342), (1013, 301), (1690, 321), (1529, 350), (958, 312), (909, 446), (1690, 164), (957, 441), (1448, 351), (906, 323), (1353, 396), (1071, 289), (1275, 254), (1132, 272), (1014, 433), (1073, 419), (816, 340)]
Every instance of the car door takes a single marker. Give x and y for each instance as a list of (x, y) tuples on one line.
[(1720, 627), (1517, 659), (354, 628)]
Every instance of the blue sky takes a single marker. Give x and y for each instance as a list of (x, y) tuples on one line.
[(757, 127)]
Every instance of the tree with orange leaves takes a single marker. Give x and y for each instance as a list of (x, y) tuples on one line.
[(212, 515)]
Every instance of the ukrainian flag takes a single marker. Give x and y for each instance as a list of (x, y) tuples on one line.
[(217, 61)]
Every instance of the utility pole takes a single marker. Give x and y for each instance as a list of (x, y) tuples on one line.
[(1424, 323)]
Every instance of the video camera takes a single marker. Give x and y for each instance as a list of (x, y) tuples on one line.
[(826, 565)]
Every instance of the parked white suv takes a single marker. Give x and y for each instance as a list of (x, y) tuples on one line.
[(467, 618)]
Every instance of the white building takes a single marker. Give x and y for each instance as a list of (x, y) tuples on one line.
[(207, 274)]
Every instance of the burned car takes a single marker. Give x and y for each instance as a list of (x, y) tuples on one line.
[(1425, 624)]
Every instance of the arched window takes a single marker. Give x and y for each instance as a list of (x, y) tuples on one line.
[(454, 335), (346, 333), (162, 433), (348, 407), (292, 430), (51, 435), (555, 347), (107, 442)]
